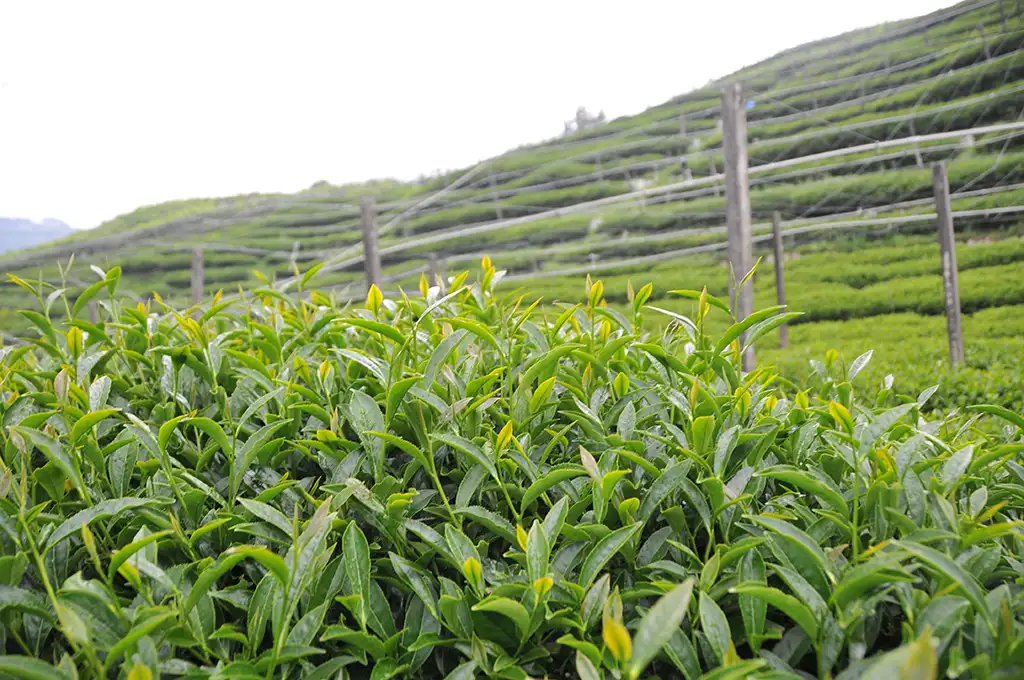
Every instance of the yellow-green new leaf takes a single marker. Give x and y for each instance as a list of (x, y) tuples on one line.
[(541, 394)]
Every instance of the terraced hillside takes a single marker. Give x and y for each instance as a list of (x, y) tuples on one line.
[(841, 133)]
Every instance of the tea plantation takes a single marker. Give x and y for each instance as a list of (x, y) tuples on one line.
[(454, 485), (953, 77), (543, 459)]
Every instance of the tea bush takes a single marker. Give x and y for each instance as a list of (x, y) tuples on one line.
[(459, 484)]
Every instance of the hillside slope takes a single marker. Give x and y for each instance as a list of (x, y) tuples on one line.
[(841, 133)]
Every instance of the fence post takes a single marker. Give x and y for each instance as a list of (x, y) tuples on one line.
[(197, 275), (682, 125), (780, 279), (94, 312), (370, 254), (432, 269), (947, 246), (494, 197), (917, 149), (737, 202), (984, 41)]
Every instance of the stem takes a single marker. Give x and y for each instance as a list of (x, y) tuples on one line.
[(508, 499), (855, 542), (444, 498)]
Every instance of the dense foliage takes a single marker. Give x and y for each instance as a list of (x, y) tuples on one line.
[(457, 484)]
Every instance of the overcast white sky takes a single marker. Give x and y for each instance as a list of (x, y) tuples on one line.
[(106, 106)]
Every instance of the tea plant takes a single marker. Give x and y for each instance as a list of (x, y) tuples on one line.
[(458, 484)]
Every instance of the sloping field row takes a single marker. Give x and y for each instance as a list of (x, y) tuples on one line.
[(849, 121)]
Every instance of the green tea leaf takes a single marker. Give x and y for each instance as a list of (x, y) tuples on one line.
[(89, 421), (787, 604), (227, 560), (415, 579), (475, 453), (948, 569), (510, 609), (28, 668), (388, 331), (357, 562), (715, 626), (102, 510), (658, 626), (551, 478), (604, 550)]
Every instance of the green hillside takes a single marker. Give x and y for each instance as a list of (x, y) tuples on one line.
[(834, 147)]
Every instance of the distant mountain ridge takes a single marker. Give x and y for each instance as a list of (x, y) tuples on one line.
[(18, 233)]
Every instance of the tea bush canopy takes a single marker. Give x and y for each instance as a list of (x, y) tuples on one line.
[(460, 482)]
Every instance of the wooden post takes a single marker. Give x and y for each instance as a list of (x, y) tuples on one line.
[(197, 275), (780, 279), (600, 172), (494, 195), (370, 254), (432, 270), (94, 312), (917, 149), (713, 169), (984, 41), (737, 202), (682, 125), (947, 246)]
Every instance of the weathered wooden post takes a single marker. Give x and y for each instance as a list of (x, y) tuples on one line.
[(197, 275), (780, 279), (432, 269), (370, 254), (94, 312), (494, 198), (737, 202), (947, 247), (917, 149)]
